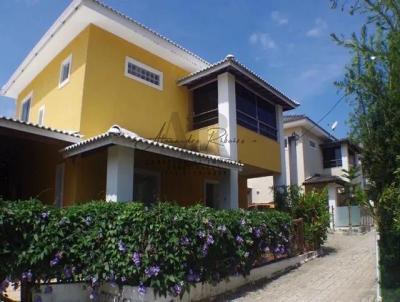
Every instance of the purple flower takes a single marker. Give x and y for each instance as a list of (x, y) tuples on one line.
[(204, 249), (4, 284), (257, 232), (210, 239), (201, 234), (48, 289), (121, 246), (246, 255), (177, 289), (123, 279), (242, 221), (152, 271), (29, 276), (38, 298), (92, 295), (185, 241), (239, 239), (45, 215), (88, 220), (67, 272), (142, 289), (137, 258), (56, 259), (192, 276)]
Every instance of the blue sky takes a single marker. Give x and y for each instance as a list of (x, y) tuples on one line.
[(286, 42)]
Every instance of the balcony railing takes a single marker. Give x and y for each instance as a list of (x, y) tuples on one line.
[(332, 163)]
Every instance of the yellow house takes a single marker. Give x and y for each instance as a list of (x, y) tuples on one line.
[(109, 109)]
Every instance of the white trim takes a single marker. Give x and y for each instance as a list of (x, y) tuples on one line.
[(42, 111), (29, 98), (66, 61), (37, 130), (206, 159), (146, 67)]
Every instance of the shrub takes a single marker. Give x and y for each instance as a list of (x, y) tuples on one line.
[(165, 247), (311, 207), (389, 244)]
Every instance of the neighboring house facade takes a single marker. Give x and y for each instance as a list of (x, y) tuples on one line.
[(314, 160), (141, 118)]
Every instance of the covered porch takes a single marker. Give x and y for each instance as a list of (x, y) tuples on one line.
[(30, 161), (122, 166)]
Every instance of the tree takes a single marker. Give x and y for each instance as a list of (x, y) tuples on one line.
[(350, 189), (372, 84)]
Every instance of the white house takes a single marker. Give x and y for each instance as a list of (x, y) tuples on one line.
[(314, 159)]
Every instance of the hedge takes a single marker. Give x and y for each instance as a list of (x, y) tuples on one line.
[(166, 247)]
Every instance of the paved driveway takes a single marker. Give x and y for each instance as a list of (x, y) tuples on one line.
[(346, 273)]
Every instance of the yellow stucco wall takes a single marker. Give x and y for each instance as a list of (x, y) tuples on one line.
[(62, 105), (112, 98), (257, 150)]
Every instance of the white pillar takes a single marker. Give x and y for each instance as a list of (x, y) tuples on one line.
[(229, 190), (280, 180), (345, 156), (227, 115), (332, 195), (120, 172)]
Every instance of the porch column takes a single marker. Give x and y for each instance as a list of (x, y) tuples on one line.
[(227, 115), (229, 190), (120, 166), (332, 194), (280, 180)]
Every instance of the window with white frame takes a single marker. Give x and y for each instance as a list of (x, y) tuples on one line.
[(26, 106), (41, 116), (143, 73), (65, 71)]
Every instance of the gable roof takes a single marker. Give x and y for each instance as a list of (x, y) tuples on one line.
[(75, 18), (302, 120), (117, 135), (321, 179), (244, 73)]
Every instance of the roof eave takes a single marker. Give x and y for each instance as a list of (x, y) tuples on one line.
[(219, 67)]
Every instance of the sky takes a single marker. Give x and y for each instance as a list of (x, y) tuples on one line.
[(286, 42)]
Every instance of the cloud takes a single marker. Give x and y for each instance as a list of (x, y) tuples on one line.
[(319, 28), (278, 18), (262, 39)]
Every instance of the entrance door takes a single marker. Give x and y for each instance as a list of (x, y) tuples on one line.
[(211, 192), (146, 186)]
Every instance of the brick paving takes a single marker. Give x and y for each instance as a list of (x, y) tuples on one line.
[(346, 273)]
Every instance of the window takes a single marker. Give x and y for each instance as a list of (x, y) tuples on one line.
[(312, 144), (26, 106), (255, 113), (332, 157), (41, 116), (205, 106), (65, 71), (143, 73)]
